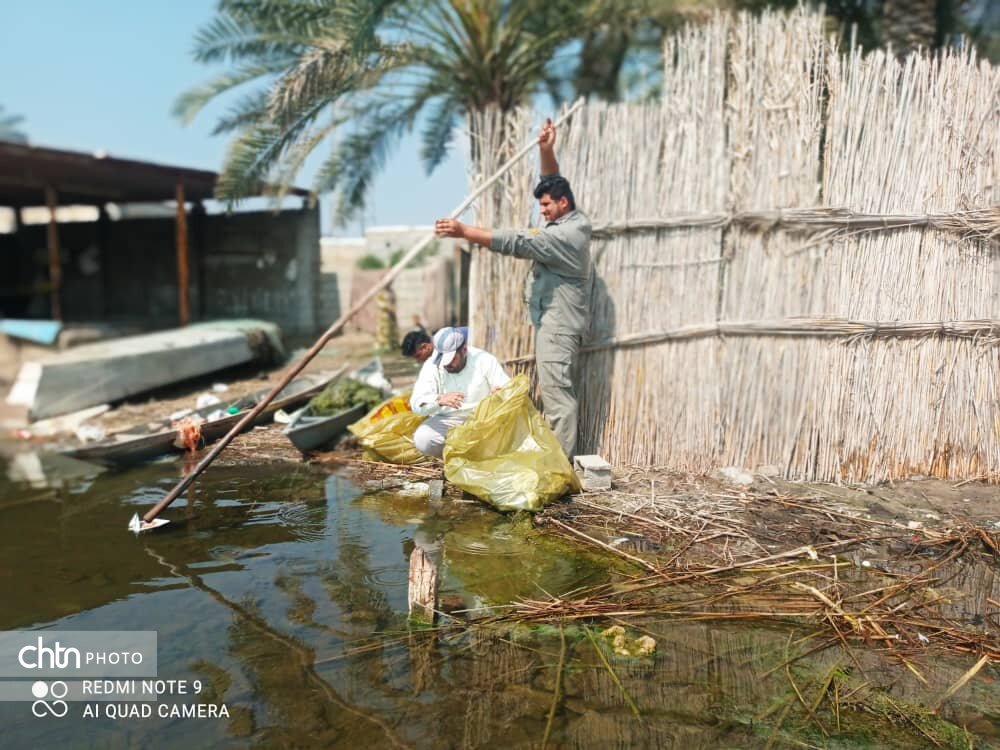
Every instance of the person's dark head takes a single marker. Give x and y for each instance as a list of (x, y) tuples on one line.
[(417, 344), (555, 198)]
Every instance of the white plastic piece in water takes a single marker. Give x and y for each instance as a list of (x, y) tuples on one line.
[(136, 525), (413, 489)]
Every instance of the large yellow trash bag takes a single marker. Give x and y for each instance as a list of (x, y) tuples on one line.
[(387, 431), (507, 455)]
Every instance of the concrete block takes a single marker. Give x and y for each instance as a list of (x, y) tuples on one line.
[(594, 472)]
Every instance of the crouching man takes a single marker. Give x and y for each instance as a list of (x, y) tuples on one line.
[(449, 391)]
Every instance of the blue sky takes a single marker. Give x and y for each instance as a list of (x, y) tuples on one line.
[(104, 74)]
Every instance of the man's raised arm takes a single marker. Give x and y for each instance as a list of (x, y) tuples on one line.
[(547, 148)]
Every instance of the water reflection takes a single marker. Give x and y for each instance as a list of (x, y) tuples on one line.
[(284, 590)]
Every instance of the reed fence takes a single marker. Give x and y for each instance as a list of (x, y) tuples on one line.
[(795, 257)]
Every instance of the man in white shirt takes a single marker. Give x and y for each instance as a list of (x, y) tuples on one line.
[(450, 386)]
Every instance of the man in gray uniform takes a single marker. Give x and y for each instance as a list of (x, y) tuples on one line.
[(560, 288)]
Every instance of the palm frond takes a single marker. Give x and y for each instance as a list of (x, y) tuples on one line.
[(191, 102), (236, 38), (300, 152), (379, 64), (326, 71), (250, 109), (437, 132), (254, 157), (350, 170), (9, 128)]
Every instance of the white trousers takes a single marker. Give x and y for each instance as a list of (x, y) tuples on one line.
[(430, 435)]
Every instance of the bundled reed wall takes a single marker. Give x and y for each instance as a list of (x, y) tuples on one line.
[(795, 258)]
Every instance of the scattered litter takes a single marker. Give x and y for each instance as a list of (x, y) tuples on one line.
[(734, 475), (217, 414), (137, 525), (813, 555), (622, 645), (865, 564), (283, 417), (179, 415), (220, 387), (594, 472), (67, 423), (190, 433), (233, 410), (647, 645), (922, 638), (90, 433), (932, 516), (914, 525), (436, 488), (377, 380), (207, 399)]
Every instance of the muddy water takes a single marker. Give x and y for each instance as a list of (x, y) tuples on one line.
[(283, 591)]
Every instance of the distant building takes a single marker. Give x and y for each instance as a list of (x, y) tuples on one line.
[(431, 291), (89, 238)]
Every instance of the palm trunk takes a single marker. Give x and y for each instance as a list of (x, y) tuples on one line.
[(909, 25)]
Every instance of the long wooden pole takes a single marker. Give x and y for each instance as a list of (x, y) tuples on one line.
[(335, 328), (55, 266), (183, 268)]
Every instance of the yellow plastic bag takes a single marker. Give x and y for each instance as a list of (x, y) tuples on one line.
[(387, 431), (507, 455)]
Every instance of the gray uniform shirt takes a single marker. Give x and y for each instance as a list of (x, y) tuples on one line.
[(559, 293)]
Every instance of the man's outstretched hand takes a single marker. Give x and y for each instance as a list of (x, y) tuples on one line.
[(449, 228), (547, 135)]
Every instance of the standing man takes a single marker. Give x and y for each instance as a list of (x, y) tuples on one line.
[(560, 290), (450, 386)]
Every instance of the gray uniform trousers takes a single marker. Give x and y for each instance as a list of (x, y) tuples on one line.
[(556, 356)]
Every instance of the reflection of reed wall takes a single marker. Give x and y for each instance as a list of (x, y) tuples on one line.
[(793, 258)]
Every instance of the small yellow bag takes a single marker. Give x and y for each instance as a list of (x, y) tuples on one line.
[(507, 455), (387, 431)]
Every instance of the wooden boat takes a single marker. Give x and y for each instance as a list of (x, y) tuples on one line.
[(108, 371), (308, 431), (150, 441)]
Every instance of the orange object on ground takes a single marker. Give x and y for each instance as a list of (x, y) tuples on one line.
[(190, 433)]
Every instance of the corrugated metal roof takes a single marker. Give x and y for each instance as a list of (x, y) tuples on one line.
[(86, 178)]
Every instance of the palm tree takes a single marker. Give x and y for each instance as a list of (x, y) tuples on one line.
[(9, 130), (366, 72), (905, 25), (908, 25)]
